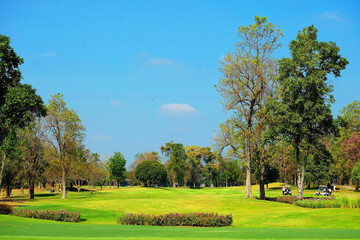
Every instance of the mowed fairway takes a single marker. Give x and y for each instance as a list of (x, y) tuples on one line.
[(253, 219)]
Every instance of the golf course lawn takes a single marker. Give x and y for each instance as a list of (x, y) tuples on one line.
[(252, 218)]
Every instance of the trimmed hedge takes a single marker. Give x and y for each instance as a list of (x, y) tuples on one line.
[(62, 215), (5, 208), (176, 219)]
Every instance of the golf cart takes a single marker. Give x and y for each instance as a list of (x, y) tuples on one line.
[(287, 190), (323, 191)]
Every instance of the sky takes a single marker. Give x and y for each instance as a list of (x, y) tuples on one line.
[(142, 73)]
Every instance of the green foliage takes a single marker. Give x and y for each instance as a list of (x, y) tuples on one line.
[(151, 172), (302, 106), (176, 219), (318, 203), (5, 208), (177, 161), (116, 167), (62, 215)]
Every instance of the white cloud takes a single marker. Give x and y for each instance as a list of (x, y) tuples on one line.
[(177, 109), (116, 103), (332, 16), (160, 61), (102, 138), (47, 54)]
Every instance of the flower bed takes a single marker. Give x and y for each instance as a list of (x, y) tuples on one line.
[(176, 219), (62, 215)]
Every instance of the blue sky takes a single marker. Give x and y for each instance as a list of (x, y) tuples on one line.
[(142, 73)]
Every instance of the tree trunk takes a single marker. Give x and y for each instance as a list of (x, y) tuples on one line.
[(64, 184), (248, 192), (350, 181), (8, 190), (22, 187), (299, 173), (31, 189), (308, 185), (226, 182), (262, 188), (2, 168)]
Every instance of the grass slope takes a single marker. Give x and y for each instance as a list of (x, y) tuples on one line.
[(253, 219)]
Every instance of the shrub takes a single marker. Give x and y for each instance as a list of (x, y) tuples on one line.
[(318, 203), (5, 208), (346, 202), (61, 215), (176, 219), (287, 199)]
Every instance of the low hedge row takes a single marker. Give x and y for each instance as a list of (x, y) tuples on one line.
[(176, 219), (61, 215), (318, 203)]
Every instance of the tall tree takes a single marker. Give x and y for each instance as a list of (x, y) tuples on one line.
[(194, 157), (303, 103), (65, 134), (19, 103), (116, 166), (248, 74)]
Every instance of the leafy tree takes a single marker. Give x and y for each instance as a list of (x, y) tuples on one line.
[(151, 172), (65, 133), (351, 151), (194, 158), (19, 103), (303, 103), (116, 166), (176, 164), (142, 157), (248, 77), (355, 173), (32, 148), (317, 168)]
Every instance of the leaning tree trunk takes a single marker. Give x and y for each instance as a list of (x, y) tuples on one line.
[(2, 168)]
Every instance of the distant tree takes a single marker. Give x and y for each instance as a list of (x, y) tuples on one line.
[(351, 151), (65, 133), (142, 157), (151, 172), (303, 103), (176, 164), (194, 160), (116, 166), (355, 173)]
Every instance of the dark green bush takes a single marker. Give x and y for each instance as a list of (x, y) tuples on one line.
[(5, 208), (62, 215), (176, 219)]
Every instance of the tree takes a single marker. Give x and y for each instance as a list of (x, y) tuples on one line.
[(32, 153), (116, 166), (151, 172), (351, 151), (355, 173), (303, 103), (248, 75), (176, 164), (64, 132), (194, 157), (19, 103)]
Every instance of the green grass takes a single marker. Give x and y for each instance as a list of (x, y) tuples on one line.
[(253, 219)]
